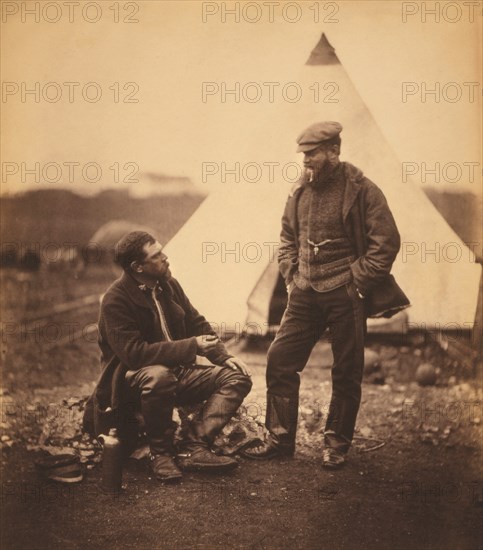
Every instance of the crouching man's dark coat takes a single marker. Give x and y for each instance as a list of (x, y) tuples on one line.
[(130, 338)]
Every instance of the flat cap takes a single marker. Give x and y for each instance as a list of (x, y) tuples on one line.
[(316, 134)]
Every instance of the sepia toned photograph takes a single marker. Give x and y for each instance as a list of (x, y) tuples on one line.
[(241, 274)]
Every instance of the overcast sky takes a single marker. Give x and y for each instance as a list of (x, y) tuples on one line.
[(174, 48)]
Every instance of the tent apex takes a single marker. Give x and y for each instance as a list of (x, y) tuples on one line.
[(323, 53)]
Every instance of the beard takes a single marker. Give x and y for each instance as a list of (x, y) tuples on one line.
[(317, 175), (165, 275)]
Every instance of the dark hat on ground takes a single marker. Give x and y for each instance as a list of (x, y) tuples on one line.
[(316, 134), (64, 468)]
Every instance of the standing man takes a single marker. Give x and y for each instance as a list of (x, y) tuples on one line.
[(150, 336), (338, 243)]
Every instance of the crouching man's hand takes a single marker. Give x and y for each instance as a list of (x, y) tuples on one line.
[(205, 344), (235, 363)]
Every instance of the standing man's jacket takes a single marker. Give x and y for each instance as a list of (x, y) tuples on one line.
[(130, 338), (370, 226)]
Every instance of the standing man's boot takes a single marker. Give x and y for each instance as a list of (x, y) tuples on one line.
[(281, 422)]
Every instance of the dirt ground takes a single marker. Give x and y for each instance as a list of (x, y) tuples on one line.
[(413, 479)]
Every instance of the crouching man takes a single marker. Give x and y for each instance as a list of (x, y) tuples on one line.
[(150, 336)]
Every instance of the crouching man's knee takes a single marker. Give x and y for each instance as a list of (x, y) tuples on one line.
[(238, 380), (246, 384)]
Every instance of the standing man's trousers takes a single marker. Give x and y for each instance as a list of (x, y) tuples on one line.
[(307, 316)]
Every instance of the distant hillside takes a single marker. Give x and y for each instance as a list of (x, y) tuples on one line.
[(61, 216), (464, 213)]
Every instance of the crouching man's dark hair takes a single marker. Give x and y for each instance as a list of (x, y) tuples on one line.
[(130, 248)]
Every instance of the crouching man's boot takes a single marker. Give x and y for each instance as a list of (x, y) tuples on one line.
[(195, 451), (155, 386), (197, 458), (164, 468), (281, 422), (161, 458)]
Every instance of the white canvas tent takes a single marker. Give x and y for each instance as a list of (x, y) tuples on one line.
[(224, 255)]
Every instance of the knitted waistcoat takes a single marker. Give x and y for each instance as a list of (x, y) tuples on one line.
[(325, 251)]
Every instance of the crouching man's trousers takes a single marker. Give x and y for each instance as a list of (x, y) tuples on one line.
[(160, 388)]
